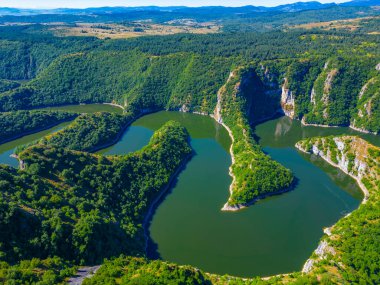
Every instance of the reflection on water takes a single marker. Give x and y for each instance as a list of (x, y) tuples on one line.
[(276, 235), (284, 132)]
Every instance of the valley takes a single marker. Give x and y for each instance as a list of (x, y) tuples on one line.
[(218, 146)]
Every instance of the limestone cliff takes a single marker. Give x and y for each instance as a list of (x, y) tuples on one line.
[(255, 175), (287, 100), (357, 231)]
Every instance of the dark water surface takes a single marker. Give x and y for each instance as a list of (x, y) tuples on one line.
[(276, 235)]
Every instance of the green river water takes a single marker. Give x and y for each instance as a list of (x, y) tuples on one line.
[(277, 234), (273, 236), (8, 148)]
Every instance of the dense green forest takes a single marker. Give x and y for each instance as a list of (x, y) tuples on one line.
[(15, 124), (255, 174), (131, 270), (69, 207), (81, 206), (186, 71), (89, 132)]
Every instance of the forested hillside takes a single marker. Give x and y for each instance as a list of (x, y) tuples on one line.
[(327, 78), (81, 206), (67, 206), (90, 132), (352, 247), (255, 175), (16, 124)]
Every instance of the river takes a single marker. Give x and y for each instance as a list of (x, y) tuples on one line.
[(8, 148), (275, 235)]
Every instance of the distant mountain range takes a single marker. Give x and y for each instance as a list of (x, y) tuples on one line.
[(293, 7)]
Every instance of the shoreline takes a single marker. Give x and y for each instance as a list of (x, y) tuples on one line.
[(315, 125), (122, 131), (36, 131), (323, 245), (155, 203), (226, 206), (21, 164), (362, 130), (357, 179), (115, 105)]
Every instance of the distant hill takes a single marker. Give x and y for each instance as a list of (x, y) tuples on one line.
[(292, 7), (362, 3)]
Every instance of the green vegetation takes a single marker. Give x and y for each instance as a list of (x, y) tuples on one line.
[(130, 270), (367, 116), (16, 124), (84, 207), (133, 79), (354, 238), (81, 206), (6, 85), (336, 90), (89, 132), (255, 174), (36, 271)]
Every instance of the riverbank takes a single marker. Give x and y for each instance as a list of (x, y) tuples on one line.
[(315, 125), (121, 133), (323, 247), (155, 203), (328, 160), (226, 206), (20, 162), (35, 131), (115, 105), (364, 131)]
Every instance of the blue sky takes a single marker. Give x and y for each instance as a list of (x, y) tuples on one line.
[(99, 3)]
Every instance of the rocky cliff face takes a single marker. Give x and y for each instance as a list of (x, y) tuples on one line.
[(240, 100), (360, 160), (341, 92), (287, 100), (367, 115), (351, 154)]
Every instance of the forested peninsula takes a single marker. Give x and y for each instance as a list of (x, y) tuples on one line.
[(88, 206), (68, 206)]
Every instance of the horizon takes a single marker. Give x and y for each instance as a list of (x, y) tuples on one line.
[(56, 4)]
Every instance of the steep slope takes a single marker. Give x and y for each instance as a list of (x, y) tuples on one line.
[(367, 113), (85, 207), (350, 250), (133, 79), (337, 91), (255, 175)]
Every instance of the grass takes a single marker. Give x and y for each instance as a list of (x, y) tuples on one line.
[(348, 24), (134, 29)]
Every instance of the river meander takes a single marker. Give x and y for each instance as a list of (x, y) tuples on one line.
[(276, 235)]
